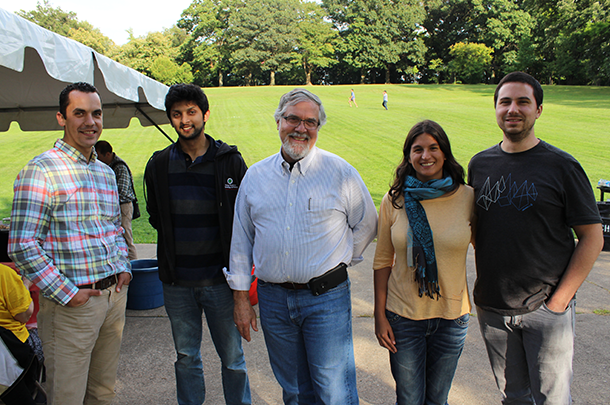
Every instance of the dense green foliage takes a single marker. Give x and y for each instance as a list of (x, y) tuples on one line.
[(469, 61), (267, 42), (575, 119), (379, 34)]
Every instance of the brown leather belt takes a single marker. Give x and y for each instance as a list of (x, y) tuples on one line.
[(102, 284)]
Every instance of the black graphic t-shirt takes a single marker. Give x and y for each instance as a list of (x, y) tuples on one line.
[(526, 205)]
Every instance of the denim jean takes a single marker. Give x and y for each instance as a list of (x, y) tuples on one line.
[(184, 306), (531, 354), (426, 358), (309, 340)]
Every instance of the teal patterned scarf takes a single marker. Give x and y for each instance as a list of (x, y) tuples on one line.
[(424, 258)]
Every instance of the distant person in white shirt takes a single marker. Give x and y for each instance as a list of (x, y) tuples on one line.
[(302, 217)]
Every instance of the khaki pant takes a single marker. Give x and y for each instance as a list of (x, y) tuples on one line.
[(81, 347), (126, 214)]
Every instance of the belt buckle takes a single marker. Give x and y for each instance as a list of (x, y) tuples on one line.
[(97, 284), (104, 283)]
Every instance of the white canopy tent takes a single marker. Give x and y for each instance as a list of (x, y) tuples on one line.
[(36, 64)]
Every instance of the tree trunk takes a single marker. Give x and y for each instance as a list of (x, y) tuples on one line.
[(308, 77), (248, 78), (220, 83), (387, 74), (272, 78)]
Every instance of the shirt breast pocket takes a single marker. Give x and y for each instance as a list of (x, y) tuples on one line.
[(324, 214), (76, 204), (67, 207)]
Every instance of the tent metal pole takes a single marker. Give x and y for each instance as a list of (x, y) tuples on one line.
[(154, 123)]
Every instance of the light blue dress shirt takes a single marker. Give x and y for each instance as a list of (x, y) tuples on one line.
[(295, 225)]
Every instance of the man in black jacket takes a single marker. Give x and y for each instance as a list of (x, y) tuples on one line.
[(191, 190)]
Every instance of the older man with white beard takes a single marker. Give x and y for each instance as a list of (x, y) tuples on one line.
[(302, 217)]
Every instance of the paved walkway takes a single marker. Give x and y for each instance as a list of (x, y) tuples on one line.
[(146, 373)]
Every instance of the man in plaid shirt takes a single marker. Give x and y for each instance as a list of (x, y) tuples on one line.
[(127, 194), (66, 237)]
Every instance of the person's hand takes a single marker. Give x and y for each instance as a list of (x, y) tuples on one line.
[(556, 306), (82, 296), (384, 333), (243, 314), (26, 282), (123, 279)]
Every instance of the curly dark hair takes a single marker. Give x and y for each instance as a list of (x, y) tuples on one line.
[(186, 92), (451, 167)]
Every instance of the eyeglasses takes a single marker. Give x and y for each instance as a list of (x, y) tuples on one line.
[(295, 121)]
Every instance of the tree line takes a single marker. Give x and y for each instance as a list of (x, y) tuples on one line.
[(268, 42)]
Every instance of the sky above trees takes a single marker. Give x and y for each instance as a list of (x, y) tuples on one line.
[(268, 42), (114, 17)]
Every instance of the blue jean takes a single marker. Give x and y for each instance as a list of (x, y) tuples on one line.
[(531, 354), (184, 306), (426, 358), (309, 340)]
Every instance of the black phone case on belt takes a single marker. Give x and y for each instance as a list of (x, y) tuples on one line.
[(330, 279)]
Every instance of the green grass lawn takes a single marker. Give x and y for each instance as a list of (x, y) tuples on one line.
[(575, 119)]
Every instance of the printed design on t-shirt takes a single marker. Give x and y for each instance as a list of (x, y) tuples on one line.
[(520, 197)]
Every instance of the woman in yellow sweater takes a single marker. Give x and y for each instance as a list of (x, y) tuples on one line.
[(421, 295)]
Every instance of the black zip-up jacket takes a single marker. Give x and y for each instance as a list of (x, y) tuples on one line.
[(229, 168)]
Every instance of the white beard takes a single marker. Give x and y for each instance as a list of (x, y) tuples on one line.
[(296, 153)]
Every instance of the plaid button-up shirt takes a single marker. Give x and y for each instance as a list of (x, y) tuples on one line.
[(66, 223), (124, 180)]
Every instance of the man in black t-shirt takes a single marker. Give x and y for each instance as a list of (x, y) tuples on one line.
[(529, 197)]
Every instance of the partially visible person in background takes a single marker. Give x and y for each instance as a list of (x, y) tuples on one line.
[(421, 295), (16, 305), (127, 193), (16, 308)]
